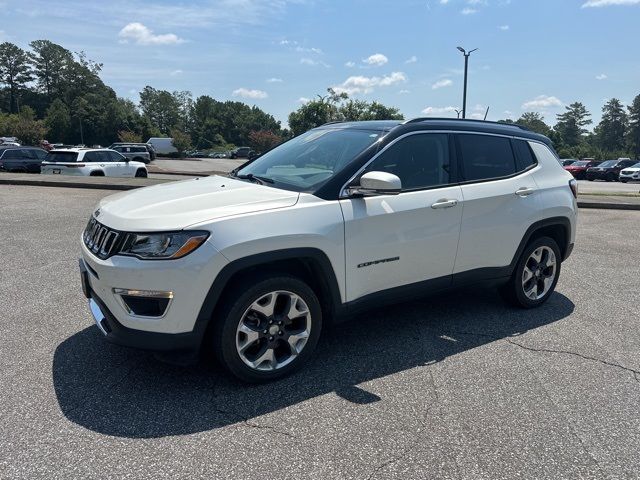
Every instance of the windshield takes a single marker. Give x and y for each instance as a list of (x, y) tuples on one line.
[(636, 165), (608, 163), (306, 162), (61, 157)]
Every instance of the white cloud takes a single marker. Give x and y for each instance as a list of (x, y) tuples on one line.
[(362, 84), (350, 64), (440, 111), (248, 93), (504, 28), (176, 72), (541, 102), (308, 50), (274, 80), (442, 83), (143, 35), (304, 100), (468, 11), (412, 59), (376, 59), (602, 76), (313, 63), (404, 92), (608, 3)]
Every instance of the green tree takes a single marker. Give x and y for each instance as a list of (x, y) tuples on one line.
[(262, 140), (534, 121), (23, 125), (15, 71), (633, 132), (58, 120), (181, 140), (49, 61), (129, 136), (161, 108), (611, 130), (358, 110), (571, 124)]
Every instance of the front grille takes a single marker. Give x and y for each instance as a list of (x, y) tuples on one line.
[(102, 241)]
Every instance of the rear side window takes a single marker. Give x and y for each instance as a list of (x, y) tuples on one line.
[(524, 155), (16, 154), (114, 156), (485, 157), (61, 157), (420, 161)]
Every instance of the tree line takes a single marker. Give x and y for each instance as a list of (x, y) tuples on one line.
[(617, 135), (53, 93)]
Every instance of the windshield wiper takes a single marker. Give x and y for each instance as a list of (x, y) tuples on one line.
[(257, 178)]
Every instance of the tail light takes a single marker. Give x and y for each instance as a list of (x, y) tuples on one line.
[(573, 185)]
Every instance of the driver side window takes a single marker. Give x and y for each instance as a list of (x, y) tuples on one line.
[(420, 161)]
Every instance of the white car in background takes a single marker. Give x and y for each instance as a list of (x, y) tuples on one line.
[(93, 162), (630, 174)]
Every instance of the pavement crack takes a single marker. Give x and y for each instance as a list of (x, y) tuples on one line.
[(579, 355), (244, 421)]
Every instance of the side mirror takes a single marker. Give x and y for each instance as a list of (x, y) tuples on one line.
[(376, 183)]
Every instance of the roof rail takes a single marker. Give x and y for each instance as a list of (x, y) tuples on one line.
[(331, 123), (470, 120)]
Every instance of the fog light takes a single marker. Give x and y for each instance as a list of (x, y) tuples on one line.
[(144, 303)]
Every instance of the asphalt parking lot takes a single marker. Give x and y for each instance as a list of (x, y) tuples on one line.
[(453, 387)]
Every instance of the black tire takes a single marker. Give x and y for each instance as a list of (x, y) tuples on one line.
[(624, 180), (611, 178), (141, 173), (513, 292), (228, 317)]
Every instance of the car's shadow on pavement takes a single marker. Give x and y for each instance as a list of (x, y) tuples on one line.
[(126, 393)]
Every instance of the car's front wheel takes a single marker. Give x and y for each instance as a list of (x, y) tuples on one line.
[(141, 173), (268, 328), (536, 274)]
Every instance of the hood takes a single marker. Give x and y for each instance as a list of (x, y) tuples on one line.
[(176, 205)]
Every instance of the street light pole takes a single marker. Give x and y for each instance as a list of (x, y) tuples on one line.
[(466, 70)]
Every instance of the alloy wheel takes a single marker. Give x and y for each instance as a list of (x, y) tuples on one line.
[(539, 273), (273, 331)]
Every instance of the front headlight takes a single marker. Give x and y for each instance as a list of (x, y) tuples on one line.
[(159, 246)]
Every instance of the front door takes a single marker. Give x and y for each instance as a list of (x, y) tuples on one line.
[(399, 240)]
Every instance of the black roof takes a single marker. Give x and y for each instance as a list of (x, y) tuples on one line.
[(400, 127)]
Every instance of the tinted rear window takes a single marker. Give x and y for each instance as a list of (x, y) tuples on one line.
[(524, 155), (61, 157), (486, 156)]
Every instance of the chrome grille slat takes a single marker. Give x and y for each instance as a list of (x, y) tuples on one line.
[(100, 240)]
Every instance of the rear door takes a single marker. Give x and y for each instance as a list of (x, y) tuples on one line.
[(500, 201), (119, 164)]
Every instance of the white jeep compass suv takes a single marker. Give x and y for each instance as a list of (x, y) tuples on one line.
[(341, 218)]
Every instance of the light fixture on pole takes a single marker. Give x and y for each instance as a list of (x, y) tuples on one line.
[(466, 70)]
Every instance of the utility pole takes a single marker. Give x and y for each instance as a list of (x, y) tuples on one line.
[(81, 134), (466, 71)]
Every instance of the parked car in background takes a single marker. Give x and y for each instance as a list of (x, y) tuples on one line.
[(240, 152), (630, 174), (196, 154), (9, 142), (92, 162), (147, 146), (162, 145), (579, 168), (219, 155), (608, 170), (21, 159), (567, 161), (137, 153)]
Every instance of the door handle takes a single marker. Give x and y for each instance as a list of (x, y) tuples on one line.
[(444, 203), (525, 191)]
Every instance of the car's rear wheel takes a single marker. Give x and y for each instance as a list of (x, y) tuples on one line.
[(536, 274), (624, 180), (267, 330), (611, 178), (141, 173)]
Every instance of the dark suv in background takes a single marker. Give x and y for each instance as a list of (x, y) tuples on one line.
[(608, 170), (149, 148), (21, 159), (241, 152)]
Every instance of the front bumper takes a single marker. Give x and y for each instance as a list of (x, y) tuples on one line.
[(630, 177), (115, 332)]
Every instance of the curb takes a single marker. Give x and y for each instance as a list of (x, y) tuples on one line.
[(125, 187), (609, 206)]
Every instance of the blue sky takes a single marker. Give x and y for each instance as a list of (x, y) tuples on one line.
[(533, 54)]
